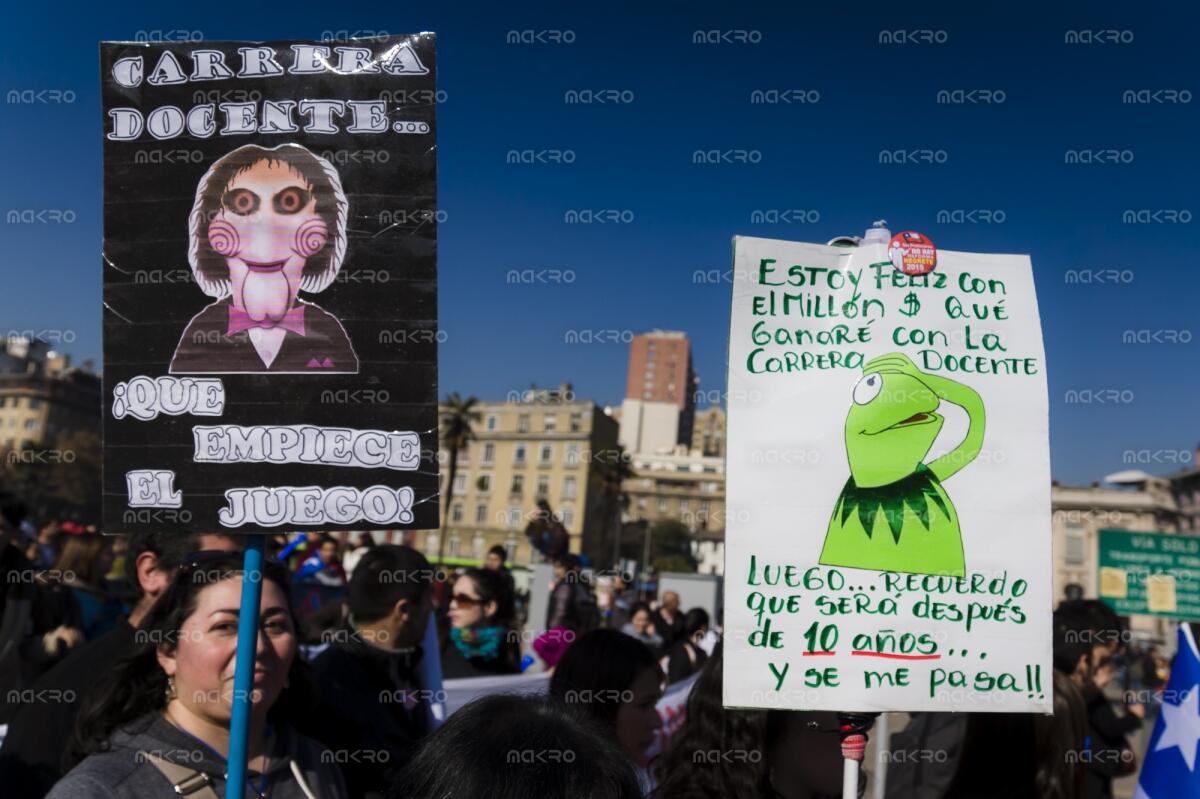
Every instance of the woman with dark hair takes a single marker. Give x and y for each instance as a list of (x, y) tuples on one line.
[(516, 747), (160, 725), (618, 682), (685, 657), (641, 626), (481, 640), (79, 574), (73, 602), (750, 754)]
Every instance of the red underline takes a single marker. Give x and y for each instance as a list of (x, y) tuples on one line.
[(807, 654), (896, 657)]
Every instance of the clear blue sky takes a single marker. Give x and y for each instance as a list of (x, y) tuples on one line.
[(637, 157)]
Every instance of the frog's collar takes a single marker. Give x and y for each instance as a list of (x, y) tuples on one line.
[(913, 492)]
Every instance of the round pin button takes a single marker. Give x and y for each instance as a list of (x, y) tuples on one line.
[(912, 253)]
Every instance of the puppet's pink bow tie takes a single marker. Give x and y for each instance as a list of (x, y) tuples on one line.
[(239, 320)]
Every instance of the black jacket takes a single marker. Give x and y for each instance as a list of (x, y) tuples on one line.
[(683, 660), (372, 710), (31, 758), (571, 605), (670, 632), (1109, 754)]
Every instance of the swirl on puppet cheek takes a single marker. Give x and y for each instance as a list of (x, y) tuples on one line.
[(223, 238), (310, 238)]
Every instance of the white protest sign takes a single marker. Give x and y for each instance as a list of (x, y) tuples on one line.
[(888, 483)]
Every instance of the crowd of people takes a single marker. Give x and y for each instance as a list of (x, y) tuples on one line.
[(117, 656)]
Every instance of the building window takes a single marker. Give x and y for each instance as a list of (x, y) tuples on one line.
[(546, 453), (518, 485), (576, 422), (566, 515), (480, 513), (514, 516), (489, 453), (31, 424), (572, 454), (550, 422), (491, 422), (662, 504), (456, 512), (484, 483), (477, 545), (460, 483), (519, 454), (3, 401), (35, 403), (510, 546), (1076, 541), (641, 504), (543, 485), (568, 487), (523, 423), (704, 509), (431, 542), (453, 545), (683, 506)]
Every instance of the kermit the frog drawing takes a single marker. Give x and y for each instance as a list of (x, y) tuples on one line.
[(893, 514)]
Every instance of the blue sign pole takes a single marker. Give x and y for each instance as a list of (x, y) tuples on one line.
[(243, 674)]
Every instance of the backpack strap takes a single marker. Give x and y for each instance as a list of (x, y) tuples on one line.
[(185, 781)]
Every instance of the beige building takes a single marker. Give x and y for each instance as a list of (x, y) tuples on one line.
[(708, 433), (545, 445), (1130, 501), (42, 396), (687, 486)]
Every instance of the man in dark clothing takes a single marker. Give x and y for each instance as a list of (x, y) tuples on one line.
[(572, 605), (495, 561), (17, 597), (31, 758), (668, 620), (1110, 754), (374, 711)]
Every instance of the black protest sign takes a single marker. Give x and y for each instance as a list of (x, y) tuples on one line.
[(270, 285)]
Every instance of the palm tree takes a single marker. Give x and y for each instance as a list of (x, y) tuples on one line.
[(613, 471), (458, 416)]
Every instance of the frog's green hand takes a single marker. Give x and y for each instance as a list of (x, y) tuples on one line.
[(969, 400)]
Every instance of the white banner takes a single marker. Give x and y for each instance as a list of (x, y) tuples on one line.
[(888, 483)]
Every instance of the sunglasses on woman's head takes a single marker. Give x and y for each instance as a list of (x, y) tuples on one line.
[(206, 560)]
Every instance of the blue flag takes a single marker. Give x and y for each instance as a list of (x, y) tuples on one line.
[(1170, 768)]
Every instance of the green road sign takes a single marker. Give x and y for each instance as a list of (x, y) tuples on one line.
[(1151, 574)]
